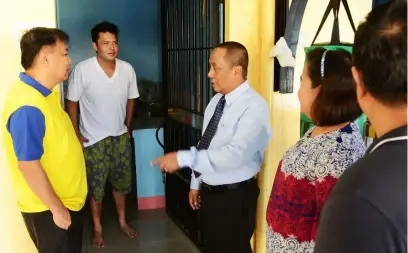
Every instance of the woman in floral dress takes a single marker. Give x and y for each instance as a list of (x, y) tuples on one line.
[(309, 170)]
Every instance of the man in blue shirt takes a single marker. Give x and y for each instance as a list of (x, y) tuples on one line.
[(228, 157)]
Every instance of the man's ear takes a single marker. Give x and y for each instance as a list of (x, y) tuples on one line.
[(43, 55), (95, 47), (360, 87), (238, 70)]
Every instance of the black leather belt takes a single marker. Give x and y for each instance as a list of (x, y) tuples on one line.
[(226, 187)]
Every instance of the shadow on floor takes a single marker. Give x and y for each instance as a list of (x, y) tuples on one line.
[(157, 233)]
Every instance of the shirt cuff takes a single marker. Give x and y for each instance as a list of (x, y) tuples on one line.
[(195, 183), (185, 159)]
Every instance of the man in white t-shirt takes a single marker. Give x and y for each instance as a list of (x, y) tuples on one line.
[(105, 88)]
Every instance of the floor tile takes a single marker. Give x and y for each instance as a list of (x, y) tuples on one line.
[(157, 233), (176, 246)]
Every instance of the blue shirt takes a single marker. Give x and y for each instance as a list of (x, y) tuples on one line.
[(27, 126), (237, 150)]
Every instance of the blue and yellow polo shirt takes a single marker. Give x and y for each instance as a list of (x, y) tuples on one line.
[(35, 127)]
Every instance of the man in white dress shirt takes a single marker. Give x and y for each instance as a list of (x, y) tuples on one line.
[(228, 158), (105, 88)]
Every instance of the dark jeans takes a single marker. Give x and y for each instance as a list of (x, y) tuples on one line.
[(49, 238), (228, 219)]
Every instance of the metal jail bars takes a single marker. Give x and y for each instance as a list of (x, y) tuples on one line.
[(191, 29)]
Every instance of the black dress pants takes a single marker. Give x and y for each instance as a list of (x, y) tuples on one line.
[(49, 238), (228, 218)]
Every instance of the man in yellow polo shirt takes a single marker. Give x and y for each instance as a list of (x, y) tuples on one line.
[(46, 161)]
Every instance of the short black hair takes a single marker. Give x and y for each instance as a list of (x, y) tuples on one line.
[(35, 39), (237, 54), (380, 52), (336, 102), (104, 27)]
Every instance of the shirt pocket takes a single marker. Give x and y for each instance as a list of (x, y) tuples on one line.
[(225, 131)]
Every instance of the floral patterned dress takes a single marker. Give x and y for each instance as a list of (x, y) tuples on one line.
[(304, 179)]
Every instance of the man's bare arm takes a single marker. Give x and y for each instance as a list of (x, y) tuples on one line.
[(38, 181), (72, 110), (129, 113)]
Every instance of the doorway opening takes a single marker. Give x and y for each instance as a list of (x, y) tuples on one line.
[(168, 43)]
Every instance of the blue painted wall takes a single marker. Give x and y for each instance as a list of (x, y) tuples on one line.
[(149, 180), (139, 38)]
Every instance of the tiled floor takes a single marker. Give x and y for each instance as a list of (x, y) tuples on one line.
[(157, 233)]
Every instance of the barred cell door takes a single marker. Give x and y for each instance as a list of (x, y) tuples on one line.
[(191, 29)]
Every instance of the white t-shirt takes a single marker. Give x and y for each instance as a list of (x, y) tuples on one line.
[(102, 100)]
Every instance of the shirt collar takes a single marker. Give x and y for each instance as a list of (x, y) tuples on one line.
[(401, 131), (33, 83), (233, 95)]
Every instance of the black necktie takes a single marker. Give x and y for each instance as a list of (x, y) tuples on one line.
[(211, 128)]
